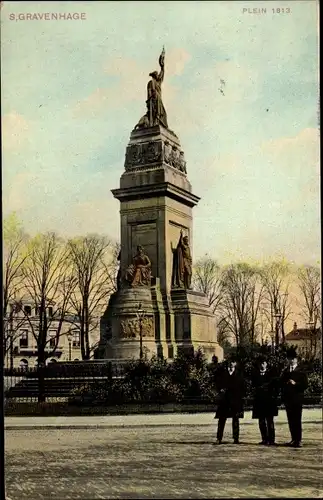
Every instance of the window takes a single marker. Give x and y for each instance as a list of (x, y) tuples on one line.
[(27, 310), (52, 338), (76, 338), (23, 340), (50, 311)]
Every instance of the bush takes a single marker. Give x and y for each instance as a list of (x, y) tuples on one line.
[(314, 388), (81, 395), (188, 379)]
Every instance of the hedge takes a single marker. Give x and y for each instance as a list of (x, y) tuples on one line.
[(189, 379)]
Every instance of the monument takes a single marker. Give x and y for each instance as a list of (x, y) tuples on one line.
[(155, 309)]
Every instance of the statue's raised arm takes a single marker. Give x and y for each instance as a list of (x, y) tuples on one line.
[(162, 66)]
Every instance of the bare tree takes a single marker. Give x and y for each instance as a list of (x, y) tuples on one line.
[(224, 334), (14, 255), (275, 277), (240, 307), (48, 283), (309, 282), (207, 279), (94, 267)]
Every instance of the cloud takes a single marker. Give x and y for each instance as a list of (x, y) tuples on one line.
[(94, 215), (266, 199), (303, 145), (15, 194), (298, 159), (15, 129), (175, 61), (207, 107)]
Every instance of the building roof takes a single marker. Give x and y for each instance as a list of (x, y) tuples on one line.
[(302, 333)]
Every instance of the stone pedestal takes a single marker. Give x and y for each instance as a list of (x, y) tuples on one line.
[(122, 326), (194, 322), (156, 199), (156, 202)]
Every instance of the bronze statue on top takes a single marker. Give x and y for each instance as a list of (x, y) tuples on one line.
[(182, 264), (139, 272), (156, 113)]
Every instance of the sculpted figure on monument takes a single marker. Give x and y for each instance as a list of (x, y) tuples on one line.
[(129, 328), (174, 157), (156, 113), (139, 272), (167, 152), (118, 280), (182, 264), (182, 163)]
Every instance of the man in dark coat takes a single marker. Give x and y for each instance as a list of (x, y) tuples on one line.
[(230, 385), (293, 384), (265, 385)]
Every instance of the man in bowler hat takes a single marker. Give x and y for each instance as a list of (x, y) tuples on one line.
[(265, 385), (293, 385), (230, 385)]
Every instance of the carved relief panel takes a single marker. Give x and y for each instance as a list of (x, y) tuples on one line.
[(130, 328), (174, 157), (138, 155)]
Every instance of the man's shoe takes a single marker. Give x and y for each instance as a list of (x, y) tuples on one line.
[(218, 441), (263, 442), (272, 443), (297, 445), (291, 443), (236, 441)]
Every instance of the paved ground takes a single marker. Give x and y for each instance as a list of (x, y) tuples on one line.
[(157, 456)]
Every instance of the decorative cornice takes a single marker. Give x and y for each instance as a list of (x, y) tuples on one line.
[(153, 190)]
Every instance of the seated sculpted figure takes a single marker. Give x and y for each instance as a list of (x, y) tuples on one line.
[(139, 272)]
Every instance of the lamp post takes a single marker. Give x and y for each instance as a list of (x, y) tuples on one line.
[(283, 316), (278, 317), (11, 349), (140, 317), (15, 308), (312, 338), (272, 336), (70, 338)]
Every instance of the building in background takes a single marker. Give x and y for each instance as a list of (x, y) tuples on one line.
[(22, 348), (307, 340)]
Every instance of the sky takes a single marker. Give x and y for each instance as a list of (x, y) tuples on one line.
[(72, 91)]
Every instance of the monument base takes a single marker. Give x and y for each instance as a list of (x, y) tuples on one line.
[(169, 324), (194, 323)]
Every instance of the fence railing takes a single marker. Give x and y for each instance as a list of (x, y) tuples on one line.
[(55, 382), (58, 383)]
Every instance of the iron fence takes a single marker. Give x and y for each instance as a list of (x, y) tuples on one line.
[(55, 382), (59, 382)]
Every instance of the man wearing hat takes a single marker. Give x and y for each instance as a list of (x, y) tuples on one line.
[(230, 385), (293, 384), (265, 385)]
